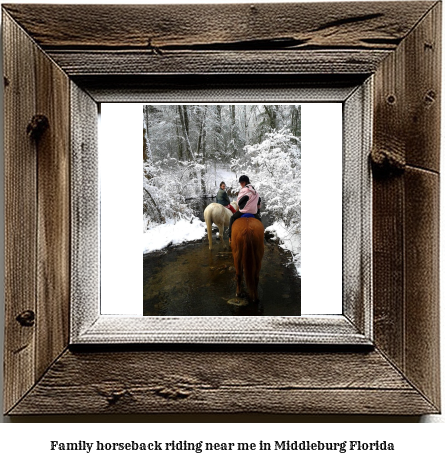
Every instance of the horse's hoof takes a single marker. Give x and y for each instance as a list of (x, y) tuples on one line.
[(238, 302)]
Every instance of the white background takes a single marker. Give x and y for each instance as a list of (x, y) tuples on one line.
[(120, 149), (21, 442)]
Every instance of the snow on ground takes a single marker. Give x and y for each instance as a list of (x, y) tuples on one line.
[(288, 241), (163, 235)]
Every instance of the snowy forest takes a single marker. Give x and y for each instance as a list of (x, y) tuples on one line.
[(189, 149)]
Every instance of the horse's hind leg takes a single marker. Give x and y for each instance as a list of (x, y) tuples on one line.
[(209, 230), (255, 295), (239, 280), (237, 261), (221, 235)]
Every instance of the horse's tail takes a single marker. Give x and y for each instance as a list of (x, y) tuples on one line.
[(208, 220), (250, 260)]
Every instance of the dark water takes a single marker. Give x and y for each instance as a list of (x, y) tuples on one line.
[(191, 280)]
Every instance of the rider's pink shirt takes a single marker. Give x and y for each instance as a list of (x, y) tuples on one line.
[(252, 204)]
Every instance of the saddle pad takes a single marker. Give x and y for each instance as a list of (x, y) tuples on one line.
[(247, 215)]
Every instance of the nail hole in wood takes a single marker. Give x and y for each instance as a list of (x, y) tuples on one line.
[(172, 393), (37, 126), (430, 97), (114, 397), (26, 318)]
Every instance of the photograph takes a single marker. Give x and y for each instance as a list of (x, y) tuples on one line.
[(222, 210)]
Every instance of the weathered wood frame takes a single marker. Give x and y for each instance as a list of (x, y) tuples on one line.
[(76, 56)]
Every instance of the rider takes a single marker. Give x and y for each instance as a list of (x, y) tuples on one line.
[(248, 201), (222, 197)]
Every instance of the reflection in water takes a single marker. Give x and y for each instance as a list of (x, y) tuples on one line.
[(191, 280)]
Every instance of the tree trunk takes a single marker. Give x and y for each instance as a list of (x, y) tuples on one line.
[(145, 155), (218, 132), (161, 216), (246, 126), (272, 115), (146, 141), (233, 131), (204, 145), (202, 138), (179, 141), (296, 120), (185, 125), (202, 129)]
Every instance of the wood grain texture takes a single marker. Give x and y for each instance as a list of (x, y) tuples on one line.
[(423, 91), (357, 206), (108, 329), (217, 382), (348, 25), (53, 199), (37, 216), (20, 212), (408, 97), (388, 268), (85, 240), (390, 107), (422, 281), (118, 62), (388, 200), (421, 212), (219, 87), (406, 132)]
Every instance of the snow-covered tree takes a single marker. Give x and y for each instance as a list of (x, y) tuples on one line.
[(186, 146), (274, 167)]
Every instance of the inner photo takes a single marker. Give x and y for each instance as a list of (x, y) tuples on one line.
[(221, 210)]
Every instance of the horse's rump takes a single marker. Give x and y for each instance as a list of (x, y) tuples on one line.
[(215, 213), (248, 251)]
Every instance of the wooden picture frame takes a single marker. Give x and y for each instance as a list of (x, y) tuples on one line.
[(56, 71)]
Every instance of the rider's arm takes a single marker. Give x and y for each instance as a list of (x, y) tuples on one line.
[(242, 201)]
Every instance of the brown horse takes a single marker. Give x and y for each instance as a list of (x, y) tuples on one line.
[(248, 250)]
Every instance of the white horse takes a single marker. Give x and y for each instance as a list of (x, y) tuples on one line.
[(216, 213)]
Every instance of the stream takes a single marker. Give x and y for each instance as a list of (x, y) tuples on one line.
[(191, 280)]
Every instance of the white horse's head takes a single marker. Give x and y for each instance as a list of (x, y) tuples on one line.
[(234, 205)]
